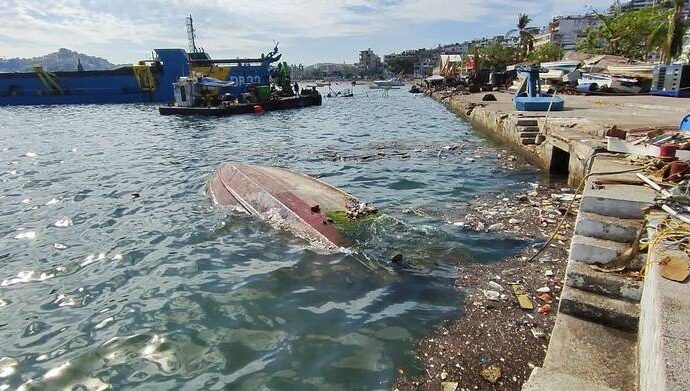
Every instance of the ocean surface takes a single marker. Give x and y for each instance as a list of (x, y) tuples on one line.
[(117, 272)]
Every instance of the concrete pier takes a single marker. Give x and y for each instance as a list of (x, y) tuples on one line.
[(614, 329), (562, 142)]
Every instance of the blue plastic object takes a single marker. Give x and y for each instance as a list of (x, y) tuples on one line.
[(530, 98), (685, 124)]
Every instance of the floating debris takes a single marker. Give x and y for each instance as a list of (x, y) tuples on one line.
[(63, 223), (29, 235)]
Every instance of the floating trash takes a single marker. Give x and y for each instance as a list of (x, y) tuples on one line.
[(64, 223), (59, 246), (30, 154), (53, 201), (28, 235)]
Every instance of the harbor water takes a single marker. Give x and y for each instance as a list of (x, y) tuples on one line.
[(116, 271)]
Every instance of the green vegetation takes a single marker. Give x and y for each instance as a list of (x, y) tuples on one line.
[(547, 52), (497, 56), (348, 226), (656, 29), (525, 35)]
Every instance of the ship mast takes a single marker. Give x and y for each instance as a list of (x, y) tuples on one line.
[(191, 35)]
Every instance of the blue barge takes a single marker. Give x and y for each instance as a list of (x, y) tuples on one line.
[(148, 81)]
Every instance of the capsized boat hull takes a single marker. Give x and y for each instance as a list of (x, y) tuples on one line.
[(287, 200)]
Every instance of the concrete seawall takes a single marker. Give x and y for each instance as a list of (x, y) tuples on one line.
[(562, 142), (614, 330)]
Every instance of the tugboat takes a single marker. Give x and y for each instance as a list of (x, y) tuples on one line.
[(199, 94)]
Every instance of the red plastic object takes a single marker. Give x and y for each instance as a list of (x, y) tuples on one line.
[(258, 109), (668, 150)]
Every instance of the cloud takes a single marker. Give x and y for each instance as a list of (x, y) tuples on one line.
[(124, 30)]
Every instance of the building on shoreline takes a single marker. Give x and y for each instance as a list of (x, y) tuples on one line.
[(565, 31), (369, 63)]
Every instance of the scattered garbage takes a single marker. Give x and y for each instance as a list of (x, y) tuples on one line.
[(545, 309), (449, 386), (522, 298), (491, 373), (544, 289), (496, 286), (675, 268), (492, 295), (538, 333)]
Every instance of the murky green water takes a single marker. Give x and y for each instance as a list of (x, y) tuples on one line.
[(101, 289)]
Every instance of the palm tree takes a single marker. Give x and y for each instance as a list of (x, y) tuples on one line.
[(526, 37), (669, 36)]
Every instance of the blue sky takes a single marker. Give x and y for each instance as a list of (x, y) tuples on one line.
[(309, 31)]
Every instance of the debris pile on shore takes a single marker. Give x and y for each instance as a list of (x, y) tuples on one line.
[(510, 306)]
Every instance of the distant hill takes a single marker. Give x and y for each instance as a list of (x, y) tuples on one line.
[(62, 60)]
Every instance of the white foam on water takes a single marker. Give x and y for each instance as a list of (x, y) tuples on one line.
[(3, 303), (63, 223), (59, 246), (26, 201), (52, 201), (117, 257), (25, 234), (27, 276), (92, 258), (30, 154), (104, 323), (8, 366), (65, 301)]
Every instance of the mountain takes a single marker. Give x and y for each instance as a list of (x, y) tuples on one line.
[(62, 60)]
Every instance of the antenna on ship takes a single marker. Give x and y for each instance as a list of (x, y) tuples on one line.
[(191, 35)]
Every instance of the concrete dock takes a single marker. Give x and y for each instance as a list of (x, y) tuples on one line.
[(620, 325)]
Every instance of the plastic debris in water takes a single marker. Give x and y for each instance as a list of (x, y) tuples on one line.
[(29, 235), (63, 223)]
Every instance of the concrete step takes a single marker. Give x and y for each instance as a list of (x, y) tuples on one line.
[(528, 134), (528, 141), (542, 379), (623, 201), (595, 251), (593, 353), (527, 122), (607, 227), (529, 129), (607, 311), (613, 285)]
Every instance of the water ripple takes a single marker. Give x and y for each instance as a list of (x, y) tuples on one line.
[(117, 272)]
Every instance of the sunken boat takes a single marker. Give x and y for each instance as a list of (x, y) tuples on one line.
[(305, 206)]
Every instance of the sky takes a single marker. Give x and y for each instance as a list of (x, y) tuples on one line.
[(309, 31)]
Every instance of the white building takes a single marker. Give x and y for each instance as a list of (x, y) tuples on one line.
[(565, 31)]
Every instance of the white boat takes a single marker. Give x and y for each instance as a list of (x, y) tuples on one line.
[(386, 87), (632, 70), (614, 83), (392, 82), (565, 66)]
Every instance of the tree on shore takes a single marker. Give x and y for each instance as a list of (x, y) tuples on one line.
[(525, 35), (668, 36), (546, 52), (496, 56), (631, 34)]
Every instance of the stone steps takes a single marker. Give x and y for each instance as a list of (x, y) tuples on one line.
[(612, 285), (586, 353), (527, 122), (608, 228), (615, 313), (596, 251), (622, 201)]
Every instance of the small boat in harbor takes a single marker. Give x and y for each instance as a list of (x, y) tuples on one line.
[(200, 95), (392, 82)]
